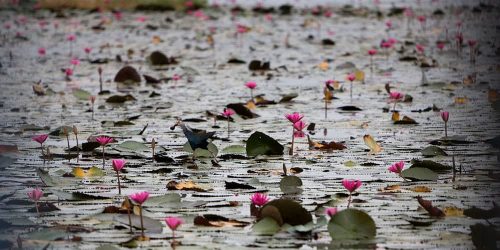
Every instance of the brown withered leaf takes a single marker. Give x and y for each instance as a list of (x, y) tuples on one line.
[(260, 100), (372, 144), (185, 185), (390, 189), (212, 220), (453, 211), (421, 189), (329, 146), (406, 120), (432, 210)]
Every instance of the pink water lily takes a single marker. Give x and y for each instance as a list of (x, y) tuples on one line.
[(259, 199), (40, 139), (294, 117), (251, 86), (71, 37), (397, 167), (68, 72), (103, 141), (395, 97), (75, 62), (35, 196), (299, 126), (228, 113), (140, 198), (445, 115), (331, 211), (372, 52), (118, 165), (351, 77), (440, 45), (351, 186), (41, 51), (173, 223), (420, 48)]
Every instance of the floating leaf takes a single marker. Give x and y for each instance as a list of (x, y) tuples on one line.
[(395, 116), (432, 210), (120, 98), (163, 200), (349, 108), (266, 226), (453, 211), (421, 189), (350, 164), (430, 165), (81, 94), (92, 172), (324, 66), (478, 213), (261, 144), (372, 144), (290, 211), (242, 110), (328, 146), (288, 97), (236, 185), (290, 184), (420, 174), (132, 146), (483, 236), (127, 74), (306, 228), (213, 220), (360, 75), (351, 224), (158, 58), (258, 65), (406, 120), (432, 151), (234, 149), (185, 185)]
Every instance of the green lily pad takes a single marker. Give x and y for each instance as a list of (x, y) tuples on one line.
[(234, 149), (350, 164), (322, 221), (290, 211), (420, 174), (48, 234), (262, 144), (81, 94), (132, 146), (432, 151), (266, 226), (163, 200), (351, 224), (430, 165), (290, 184)]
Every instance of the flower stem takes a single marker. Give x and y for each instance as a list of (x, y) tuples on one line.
[(446, 129), (394, 108), (142, 222), (119, 186), (251, 94), (37, 210), (351, 91), (293, 140), (41, 148), (349, 200), (102, 156), (228, 127)]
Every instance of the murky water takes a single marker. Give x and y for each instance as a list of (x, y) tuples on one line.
[(217, 83)]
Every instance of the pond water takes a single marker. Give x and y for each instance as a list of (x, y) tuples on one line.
[(293, 46)]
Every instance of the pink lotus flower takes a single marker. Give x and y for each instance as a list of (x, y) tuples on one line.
[(394, 95), (176, 77), (259, 199), (104, 140), (299, 126), (71, 37), (388, 24), (173, 222), (351, 185), (68, 72), (440, 45), (385, 45), (397, 167), (372, 52), (328, 13), (75, 62), (242, 29), (228, 112), (331, 211), (117, 15), (294, 117), (251, 85), (472, 43), (118, 164), (445, 115), (408, 12), (87, 50), (392, 41), (40, 138), (35, 194), (141, 19), (421, 19), (420, 48), (41, 51), (268, 17), (140, 197), (351, 77)]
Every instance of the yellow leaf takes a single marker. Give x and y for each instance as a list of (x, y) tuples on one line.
[(79, 172), (156, 40), (421, 189), (391, 189), (324, 66), (250, 105), (372, 144), (461, 100), (453, 211), (395, 116), (328, 94), (360, 75)]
